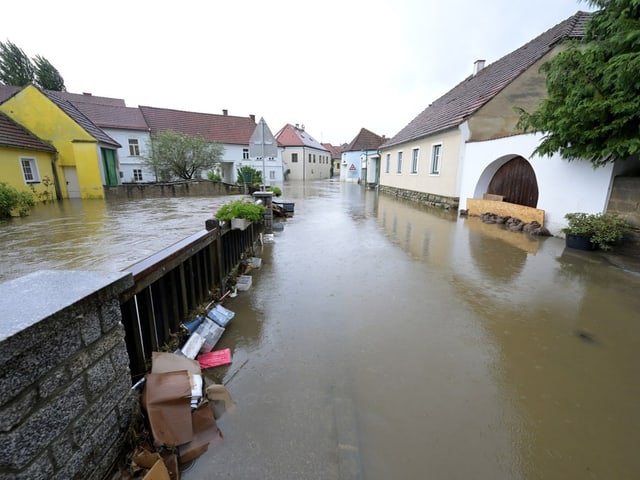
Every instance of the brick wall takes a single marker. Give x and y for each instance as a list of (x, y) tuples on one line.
[(65, 399)]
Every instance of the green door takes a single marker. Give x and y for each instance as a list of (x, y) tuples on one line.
[(110, 166)]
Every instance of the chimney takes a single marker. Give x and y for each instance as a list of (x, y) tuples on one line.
[(225, 112), (88, 94), (477, 66), (252, 117)]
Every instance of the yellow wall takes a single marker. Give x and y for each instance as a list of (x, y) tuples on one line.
[(76, 147), (11, 171), (444, 184)]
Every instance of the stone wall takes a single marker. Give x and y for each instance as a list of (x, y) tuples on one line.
[(65, 386), (625, 199), (429, 199), (195, 188)]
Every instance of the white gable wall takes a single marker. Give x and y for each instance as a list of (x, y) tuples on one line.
[(563, 186)]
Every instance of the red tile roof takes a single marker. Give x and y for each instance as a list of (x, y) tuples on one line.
[(15, 135), (336, 152), (455, 106), (227, 129), (290, 136), (365, 140)]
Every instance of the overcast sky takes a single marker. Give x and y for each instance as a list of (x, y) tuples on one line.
[(335, 66)]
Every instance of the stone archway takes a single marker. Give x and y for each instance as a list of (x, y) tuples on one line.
[(516, 182)]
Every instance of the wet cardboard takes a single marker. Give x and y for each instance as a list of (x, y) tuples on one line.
[(205, 431), (167, 400)]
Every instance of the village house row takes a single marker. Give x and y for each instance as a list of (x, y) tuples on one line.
[(463, 146)]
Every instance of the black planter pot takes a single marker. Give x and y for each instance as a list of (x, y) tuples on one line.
[(579, 242)]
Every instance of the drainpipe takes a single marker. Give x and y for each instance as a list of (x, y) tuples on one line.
[(56, 178)]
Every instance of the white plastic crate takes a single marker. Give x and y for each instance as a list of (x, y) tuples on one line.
[(244, 283)]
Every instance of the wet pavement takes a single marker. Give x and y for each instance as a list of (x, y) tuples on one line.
[(383, 340)]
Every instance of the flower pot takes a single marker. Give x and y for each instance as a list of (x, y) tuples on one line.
[(579, 242), (239, 223)]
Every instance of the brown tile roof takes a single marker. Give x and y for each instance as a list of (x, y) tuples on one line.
[(78, 117), (227, 129), (290, 136), (466, 98), (365, 140), (112, 116), (7, 91), (15, 135), (90, 98)]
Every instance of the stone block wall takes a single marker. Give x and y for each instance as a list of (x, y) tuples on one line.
[(65, 386), (194, 188), (423, 198), (625, 199)]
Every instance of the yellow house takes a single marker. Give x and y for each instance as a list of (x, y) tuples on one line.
[(26, 162), (86, 156)]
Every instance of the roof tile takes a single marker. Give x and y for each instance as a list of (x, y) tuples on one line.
[(227, 129)]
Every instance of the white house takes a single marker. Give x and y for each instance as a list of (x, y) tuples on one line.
[(361, 158), (232, 132), (465, 146), (303, 157)]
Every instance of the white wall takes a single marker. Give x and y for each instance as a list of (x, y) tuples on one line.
[(562, 186), (127, 162)]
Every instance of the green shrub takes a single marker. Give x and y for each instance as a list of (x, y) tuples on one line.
[(276, 191), (603, 229), (213, 176), (253, 212), (12, 200)]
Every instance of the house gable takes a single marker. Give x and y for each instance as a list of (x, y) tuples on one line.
[(466, 98)]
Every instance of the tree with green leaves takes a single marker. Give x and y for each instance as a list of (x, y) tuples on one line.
[(47, 76), (178, 155), (15, 66), (592, 108)]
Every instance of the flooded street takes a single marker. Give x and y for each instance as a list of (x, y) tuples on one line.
[(381, 340)]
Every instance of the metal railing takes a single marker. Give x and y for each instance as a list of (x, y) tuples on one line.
[(171, 284)]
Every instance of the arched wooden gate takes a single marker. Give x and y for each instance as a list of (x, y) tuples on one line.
[(516, 182)]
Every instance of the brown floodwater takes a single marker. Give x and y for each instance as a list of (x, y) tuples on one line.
[(382, 340)]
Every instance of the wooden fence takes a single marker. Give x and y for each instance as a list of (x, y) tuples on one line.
[(170, 285)]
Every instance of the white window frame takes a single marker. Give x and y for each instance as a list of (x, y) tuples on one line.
[(415, 156), (387, 163), (137, 174), (245, 154), (436, 159), (29, 169), (134, 147), (399, 163)]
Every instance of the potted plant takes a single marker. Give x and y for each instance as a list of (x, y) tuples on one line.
[(240, 213), (588, 231)]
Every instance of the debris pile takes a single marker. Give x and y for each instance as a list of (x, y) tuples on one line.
[(179, 408)]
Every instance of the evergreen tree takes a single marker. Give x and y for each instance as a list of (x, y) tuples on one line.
[(592, 109), (47, 76), (15, 66)]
